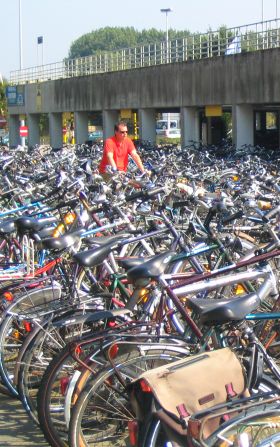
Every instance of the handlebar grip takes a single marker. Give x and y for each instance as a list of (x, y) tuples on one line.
[(136, 195), (155, 191), (145, 195)]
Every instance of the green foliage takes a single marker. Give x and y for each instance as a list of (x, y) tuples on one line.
[(115, 38), (3, 100)]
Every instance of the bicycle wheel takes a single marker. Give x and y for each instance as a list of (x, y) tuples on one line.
[(46, 343), (249, 428), (61, 375), (102, 411), (14, 329)]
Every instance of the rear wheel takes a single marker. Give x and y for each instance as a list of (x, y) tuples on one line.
[(103, 410)]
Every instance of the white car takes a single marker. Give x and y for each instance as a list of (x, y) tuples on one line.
[(168, 129)]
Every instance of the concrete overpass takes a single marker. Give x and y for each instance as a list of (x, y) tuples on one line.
[(244, 84)]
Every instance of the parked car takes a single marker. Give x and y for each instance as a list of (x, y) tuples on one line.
[(168, 129)]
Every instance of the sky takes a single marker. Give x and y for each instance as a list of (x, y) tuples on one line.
[(61, 22)]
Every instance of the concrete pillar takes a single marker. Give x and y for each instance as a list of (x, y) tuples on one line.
[(33, 129), (55, 120), (110, 118), (81, 127), (14, 124), (243, 124), (147, 124), (189, 125)]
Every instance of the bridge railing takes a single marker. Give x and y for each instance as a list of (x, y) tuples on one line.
[(252, 37)]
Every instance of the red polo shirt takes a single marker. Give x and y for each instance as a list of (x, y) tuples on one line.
[(121, 151)]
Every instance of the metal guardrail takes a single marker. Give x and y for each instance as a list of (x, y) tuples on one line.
[(253, 37)]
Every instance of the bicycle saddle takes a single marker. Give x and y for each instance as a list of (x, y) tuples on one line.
[(7, 227), (222, 311), (103, 240), (98, 254), (62, 242), (129, 263), (26, 224), (152, 268)]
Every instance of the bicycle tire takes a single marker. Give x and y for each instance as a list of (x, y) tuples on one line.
[(50, 399), (38, 354), (77, 437)]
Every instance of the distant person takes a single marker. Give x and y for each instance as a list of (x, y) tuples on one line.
[(116, 151)]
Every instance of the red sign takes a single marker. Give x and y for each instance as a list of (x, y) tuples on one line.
[(23, 131)]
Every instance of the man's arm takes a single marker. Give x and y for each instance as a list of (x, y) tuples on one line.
[(110, 158), (137, 160)]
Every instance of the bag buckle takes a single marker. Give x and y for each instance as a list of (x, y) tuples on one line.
[(184, 414)]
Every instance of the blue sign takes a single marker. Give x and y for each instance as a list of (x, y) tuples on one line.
[(14, 97), (11, 95), (20, 99)]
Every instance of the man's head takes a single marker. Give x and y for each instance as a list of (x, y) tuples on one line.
[(121, 130)]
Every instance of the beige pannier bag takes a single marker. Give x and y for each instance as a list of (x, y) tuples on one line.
[(193, 384)]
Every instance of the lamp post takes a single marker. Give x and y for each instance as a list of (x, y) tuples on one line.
[(166, 11), (20, 34)]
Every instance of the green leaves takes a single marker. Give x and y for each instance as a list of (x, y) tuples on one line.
[(115, 38)]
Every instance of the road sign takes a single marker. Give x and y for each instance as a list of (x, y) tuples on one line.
[(23, 131)]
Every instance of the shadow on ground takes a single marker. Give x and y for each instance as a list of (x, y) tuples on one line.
[(16, 428)]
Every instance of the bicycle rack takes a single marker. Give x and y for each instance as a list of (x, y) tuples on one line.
[(26, 269)]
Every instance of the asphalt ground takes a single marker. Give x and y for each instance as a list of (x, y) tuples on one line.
[(16, 428)]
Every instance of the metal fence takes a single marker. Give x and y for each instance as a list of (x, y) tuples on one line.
[(253, 37)]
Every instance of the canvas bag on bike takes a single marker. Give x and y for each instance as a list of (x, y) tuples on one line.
[(194, 384)]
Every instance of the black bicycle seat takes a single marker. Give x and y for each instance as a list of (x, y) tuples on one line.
[(222, 311), (7, 227), (27, 224), (62, 242), (98, 254), (152, 268)]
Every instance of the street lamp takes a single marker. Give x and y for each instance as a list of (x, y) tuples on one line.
[(166, 11), (20, 34)]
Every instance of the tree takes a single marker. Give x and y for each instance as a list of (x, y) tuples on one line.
[(3, 100), (116, 38)]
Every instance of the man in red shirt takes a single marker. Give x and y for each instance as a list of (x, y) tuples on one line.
[(117, 149)]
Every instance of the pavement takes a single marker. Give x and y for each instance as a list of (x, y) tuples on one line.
[(16, 428)]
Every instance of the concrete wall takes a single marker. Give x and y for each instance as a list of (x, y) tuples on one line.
[(249, 78)]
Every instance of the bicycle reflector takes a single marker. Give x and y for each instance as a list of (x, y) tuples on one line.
[(133, 431), (8, 296), (27, 326), (145, 387), (59, 230), (64, 381), (78, 350), (143, 295), (239, 289), (113, 351), (69, 217)]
